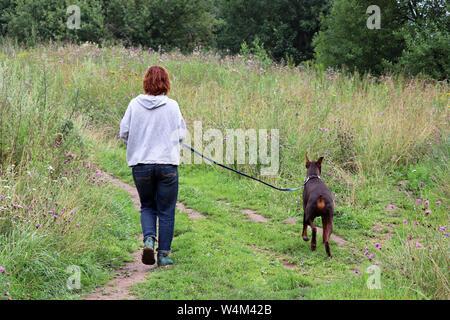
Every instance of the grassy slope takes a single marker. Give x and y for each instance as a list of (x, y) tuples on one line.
[(245, 258), (380, 132)]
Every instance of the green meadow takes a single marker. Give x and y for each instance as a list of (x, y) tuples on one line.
[(386, 146)]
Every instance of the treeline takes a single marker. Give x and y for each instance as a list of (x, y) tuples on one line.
[(413, 35)]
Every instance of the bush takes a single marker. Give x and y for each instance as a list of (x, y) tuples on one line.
[(427, 53), (32, 21)]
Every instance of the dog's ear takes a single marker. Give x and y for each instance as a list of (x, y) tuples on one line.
[(319, 162), (307, 161)]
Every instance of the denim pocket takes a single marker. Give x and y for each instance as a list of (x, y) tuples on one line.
[(142, 173), (168, 171)]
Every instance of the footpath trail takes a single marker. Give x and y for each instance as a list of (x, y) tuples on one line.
[(119, 287)]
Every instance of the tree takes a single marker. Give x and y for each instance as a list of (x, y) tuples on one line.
[(284, 27), (413, 38), (182, 24), (427, 35), (344, 39), (35, 20)]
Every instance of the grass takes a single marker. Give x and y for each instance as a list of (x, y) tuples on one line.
[(60, 109), (253, 254)]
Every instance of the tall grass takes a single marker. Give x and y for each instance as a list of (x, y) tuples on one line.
[(367, 129), (55, 208)]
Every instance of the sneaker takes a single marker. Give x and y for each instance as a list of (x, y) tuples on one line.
[(148, 254), (164, 260)]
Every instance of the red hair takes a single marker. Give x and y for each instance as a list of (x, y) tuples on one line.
[(156, 81)]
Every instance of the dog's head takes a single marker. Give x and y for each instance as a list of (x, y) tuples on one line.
[(314, 168)]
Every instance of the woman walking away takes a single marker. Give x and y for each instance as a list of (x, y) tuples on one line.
[(153, 128)]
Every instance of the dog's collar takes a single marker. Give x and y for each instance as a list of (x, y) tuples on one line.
[(309, 178)]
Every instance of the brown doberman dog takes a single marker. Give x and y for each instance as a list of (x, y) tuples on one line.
[(317, 201)]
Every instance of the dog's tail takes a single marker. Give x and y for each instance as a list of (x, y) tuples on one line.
[(320, 203)]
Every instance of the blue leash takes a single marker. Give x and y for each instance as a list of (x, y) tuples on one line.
[(241, 173)]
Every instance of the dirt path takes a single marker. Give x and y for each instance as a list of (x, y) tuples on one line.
[(339, 240), (119, 287), (133, 272)]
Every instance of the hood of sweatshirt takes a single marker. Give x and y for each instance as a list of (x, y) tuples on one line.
[(151, 102)]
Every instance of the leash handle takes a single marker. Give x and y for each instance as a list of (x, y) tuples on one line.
[(241, 173)]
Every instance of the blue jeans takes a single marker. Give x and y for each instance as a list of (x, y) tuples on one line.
[(157, 185)]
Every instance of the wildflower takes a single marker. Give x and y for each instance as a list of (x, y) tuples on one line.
[(429, 247), (415, 223), (8, 284), (355, 271), (377, 263), (371, 256), (426, 203), (387, 248), (38, 226), (55, 216), (349, 182), (77, 224), (418, 245), (419, 201), (421, 184), (427, 212), (446, 234), (2, 270), (442, 228), (438, 203), (404, 221)]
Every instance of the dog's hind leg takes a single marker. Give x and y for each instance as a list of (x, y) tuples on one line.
[(305, 231), (327, 227), (313, 237)]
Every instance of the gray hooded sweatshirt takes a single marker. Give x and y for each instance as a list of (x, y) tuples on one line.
[(153, 128)]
